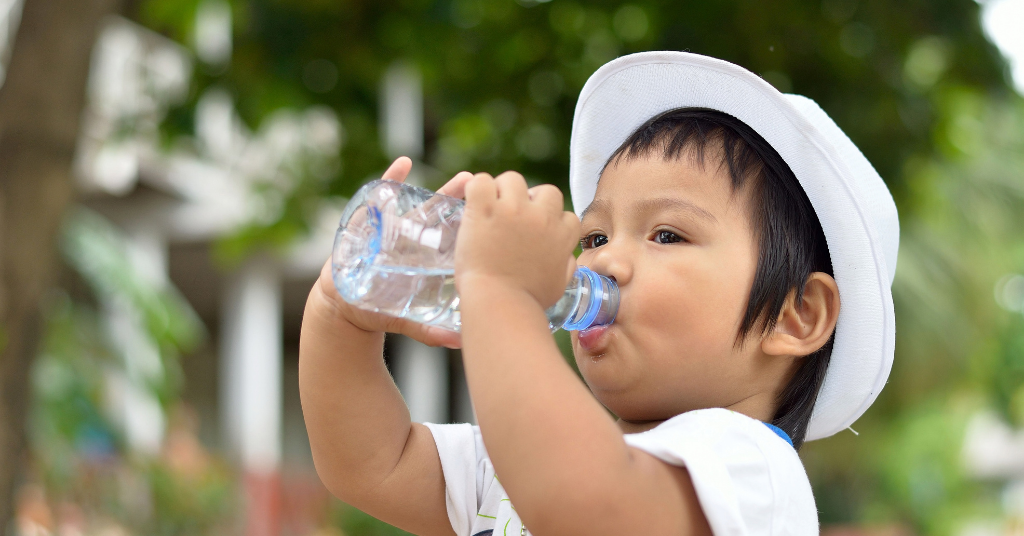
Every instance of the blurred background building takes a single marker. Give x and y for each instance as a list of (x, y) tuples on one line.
[(221, 138), (169, 207)]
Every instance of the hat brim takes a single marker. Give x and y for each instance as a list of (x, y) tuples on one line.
[(855, 209)]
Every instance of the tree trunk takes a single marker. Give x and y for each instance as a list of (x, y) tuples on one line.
[(41, 104)]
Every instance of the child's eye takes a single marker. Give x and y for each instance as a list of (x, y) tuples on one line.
[(667, 237), (593, 241)]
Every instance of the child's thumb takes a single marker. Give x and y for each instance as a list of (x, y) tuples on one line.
[(429, 335), (570, 269)]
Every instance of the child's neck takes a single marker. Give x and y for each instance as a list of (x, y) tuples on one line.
[(753, 407), (635, 427)]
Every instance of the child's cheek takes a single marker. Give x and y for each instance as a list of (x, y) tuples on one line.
[(697, 311)]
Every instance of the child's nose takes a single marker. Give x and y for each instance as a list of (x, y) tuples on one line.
[(612, 260)]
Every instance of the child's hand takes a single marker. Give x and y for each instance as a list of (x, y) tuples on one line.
[(377, 322), (517, 238)]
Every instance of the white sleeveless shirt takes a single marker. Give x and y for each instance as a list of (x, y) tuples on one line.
[(748, 479)]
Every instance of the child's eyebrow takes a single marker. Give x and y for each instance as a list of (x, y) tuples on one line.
[(646, 206), (595, 207)]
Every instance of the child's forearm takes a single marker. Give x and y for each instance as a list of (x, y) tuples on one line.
[(357, 422), (549, 439), (366, 450)]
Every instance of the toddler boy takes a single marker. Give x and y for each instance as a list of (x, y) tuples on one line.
[(734, 220)]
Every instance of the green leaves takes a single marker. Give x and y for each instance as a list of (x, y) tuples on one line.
[(97, 251)]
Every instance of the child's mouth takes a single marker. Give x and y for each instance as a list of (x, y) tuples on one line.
[(592, 339)]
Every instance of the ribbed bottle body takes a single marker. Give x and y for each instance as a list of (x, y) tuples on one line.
[(394, 253)]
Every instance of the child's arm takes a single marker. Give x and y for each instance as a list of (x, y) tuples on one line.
[(366, 450), (560, 457)]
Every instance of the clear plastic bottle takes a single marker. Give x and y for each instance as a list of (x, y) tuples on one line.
[(394, 253)]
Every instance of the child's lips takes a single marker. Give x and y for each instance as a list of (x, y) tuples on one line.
[(593, 339)]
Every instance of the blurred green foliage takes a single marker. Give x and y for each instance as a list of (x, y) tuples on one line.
[(80, 455), (501, 77), (354, 522), (96, 250), (957, 350), (914, 84)]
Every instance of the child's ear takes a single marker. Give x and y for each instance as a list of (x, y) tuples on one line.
[(803, 328)]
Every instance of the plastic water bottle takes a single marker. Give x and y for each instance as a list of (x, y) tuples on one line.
[(394, 253)]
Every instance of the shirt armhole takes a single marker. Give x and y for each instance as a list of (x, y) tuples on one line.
[(456, 447)]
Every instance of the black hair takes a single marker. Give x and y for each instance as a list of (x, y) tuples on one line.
[(791, 242)]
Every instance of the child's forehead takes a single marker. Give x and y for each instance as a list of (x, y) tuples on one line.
[(652, 182)]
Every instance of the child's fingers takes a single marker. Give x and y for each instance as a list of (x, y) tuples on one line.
[(570, 269), (456, 187), (429, 335), (571, 224), (398, 170), (511, 185), (481, 190), (436, 336), (548, 196)]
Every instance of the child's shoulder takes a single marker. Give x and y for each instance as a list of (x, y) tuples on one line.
[(725, 431), (745, 475)]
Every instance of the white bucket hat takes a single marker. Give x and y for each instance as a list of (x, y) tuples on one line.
[(856, 210)]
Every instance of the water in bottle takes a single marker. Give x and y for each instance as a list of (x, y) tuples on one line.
[(394, 253)]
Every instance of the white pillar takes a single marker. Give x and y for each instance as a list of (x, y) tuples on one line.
[(421, 372), (212, 32), (401, 122), (10, 18), (462, 404), (251, 366)]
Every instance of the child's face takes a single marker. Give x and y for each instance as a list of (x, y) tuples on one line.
[(681, 246)]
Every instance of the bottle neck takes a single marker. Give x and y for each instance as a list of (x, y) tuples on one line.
[(590, 300)]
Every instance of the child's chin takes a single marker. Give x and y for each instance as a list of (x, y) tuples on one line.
[(629, 411), (609, 386)]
